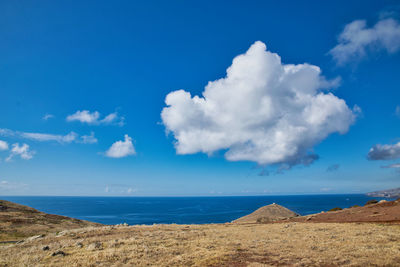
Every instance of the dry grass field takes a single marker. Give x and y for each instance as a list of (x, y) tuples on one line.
[(293, 244)]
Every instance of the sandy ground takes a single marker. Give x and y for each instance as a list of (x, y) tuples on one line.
[(292, 244)]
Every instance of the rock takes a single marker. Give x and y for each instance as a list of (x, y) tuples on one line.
[(59, 252), (34, 237), (45, 248), (79, 245), (62, 233), (95, 246), (382, 201)]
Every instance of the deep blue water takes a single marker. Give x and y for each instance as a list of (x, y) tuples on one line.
[(181, 210)]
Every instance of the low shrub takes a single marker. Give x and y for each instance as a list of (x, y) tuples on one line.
[(263, 220), (335, 209), (372, 201), (355, 206)]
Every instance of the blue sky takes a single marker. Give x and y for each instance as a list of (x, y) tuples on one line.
[(101, 72)]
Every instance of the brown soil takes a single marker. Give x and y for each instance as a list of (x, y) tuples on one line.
[(380, 212)]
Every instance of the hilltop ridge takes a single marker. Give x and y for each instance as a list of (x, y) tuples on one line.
[(18, 222)]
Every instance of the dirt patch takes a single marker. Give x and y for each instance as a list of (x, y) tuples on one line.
[(384, 212)]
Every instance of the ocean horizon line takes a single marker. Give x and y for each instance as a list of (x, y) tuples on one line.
[(188, 196)]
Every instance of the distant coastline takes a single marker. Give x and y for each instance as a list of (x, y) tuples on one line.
[(388, 193)]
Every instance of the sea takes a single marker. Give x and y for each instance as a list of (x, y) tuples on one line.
[(180, 210)]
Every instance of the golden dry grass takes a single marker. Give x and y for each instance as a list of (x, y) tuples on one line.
[(294, 244)]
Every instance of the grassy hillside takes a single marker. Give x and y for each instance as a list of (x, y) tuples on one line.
[(372, 239), (18, 222)]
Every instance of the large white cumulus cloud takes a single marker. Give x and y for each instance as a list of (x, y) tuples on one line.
[(262, 111)]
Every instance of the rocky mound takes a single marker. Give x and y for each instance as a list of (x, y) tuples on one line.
[(18, 222), (270, 213)]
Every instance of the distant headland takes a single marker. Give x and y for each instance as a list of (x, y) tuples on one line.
[(388, 193)]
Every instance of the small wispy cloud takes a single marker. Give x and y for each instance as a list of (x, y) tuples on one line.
[(391, 166), (325, 189), (263, 172), (333, 167), (3, 145), (45, 137), (84, 116), (7, 186), (120, 189), (89, 139), (384, 152), (22, 151), (42, 137), (397, 111), (113, 118), (7, 132), (357, 39), (93, 118), (131, 190), (48, 116), (121, 149)]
